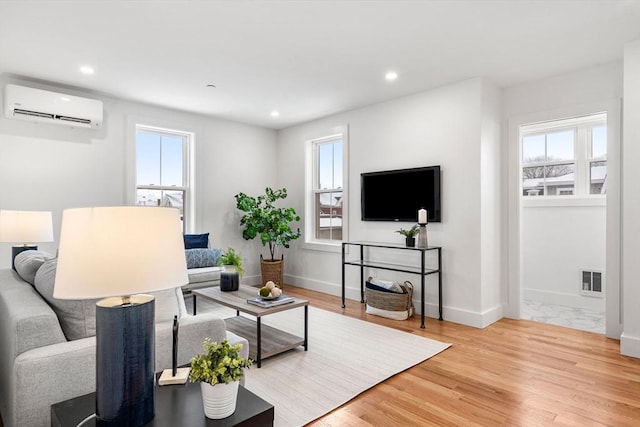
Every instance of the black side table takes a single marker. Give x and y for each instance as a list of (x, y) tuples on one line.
[(176, 405)]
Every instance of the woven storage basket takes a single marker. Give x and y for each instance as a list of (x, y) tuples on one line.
[(392, 301), (272, 270)]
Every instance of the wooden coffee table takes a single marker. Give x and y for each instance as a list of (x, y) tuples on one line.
[(264, 341)]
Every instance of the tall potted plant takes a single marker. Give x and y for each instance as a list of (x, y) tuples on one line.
[(262, 218)]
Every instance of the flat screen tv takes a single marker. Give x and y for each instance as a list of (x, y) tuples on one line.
[(396, 195)]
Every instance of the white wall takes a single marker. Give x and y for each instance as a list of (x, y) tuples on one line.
[(438, 127), (557, 241), (50, 167), (630, 339), (582, 92), (490, 196)]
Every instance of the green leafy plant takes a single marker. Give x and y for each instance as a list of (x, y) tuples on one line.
[(220, 364), (264, 219), (410, 232), (231, 257)]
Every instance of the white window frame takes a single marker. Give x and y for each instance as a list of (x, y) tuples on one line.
[(311, 181), (187, 157), (582, 159)]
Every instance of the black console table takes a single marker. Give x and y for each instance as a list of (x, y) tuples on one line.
[(422, 271)]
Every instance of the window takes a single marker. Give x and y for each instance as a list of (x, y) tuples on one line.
[(565, 157), (325, 213), (162, 168), (597, 160)]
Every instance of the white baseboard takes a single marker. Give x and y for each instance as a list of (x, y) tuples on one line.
[(252, 280), (629, 345), (324, 287), (559, 298), (464, 317), (472, 318)]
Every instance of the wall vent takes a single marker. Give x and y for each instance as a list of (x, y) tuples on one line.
[(592, 283)]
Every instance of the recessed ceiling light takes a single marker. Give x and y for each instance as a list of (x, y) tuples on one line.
[(85, 69), (65, 99), (391, 75), (275, 113)]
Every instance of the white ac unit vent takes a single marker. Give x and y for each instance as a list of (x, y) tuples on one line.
[(592, 283), (43, 106)]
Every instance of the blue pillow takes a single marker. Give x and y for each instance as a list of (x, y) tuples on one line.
[(201, 257), (196, 241)]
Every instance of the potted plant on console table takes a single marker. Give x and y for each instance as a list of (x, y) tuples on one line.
[(272, 224), (410, 235), (219, 371)]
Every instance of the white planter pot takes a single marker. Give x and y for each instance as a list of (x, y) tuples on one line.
[(219, 401)]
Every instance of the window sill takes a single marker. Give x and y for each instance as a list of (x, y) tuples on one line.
[(567, 201), (323, 246)]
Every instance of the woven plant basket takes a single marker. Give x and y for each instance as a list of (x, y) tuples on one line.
[(272, 269), (391, 301)]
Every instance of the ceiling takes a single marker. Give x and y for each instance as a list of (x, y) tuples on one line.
[(305, 59)]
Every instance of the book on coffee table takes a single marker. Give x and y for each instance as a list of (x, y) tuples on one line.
[(259, 301)]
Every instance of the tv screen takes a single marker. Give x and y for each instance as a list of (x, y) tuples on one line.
[(397, 195)]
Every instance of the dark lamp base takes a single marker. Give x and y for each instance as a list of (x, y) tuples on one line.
[(125, 361), (15, 250)]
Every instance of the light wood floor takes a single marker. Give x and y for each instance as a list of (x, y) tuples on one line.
[(512, 373)]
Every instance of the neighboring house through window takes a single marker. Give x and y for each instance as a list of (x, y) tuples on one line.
[(325, 208), (162, 168), (565, 157)]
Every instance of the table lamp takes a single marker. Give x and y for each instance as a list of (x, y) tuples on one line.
[(25, 227), (118, 253)]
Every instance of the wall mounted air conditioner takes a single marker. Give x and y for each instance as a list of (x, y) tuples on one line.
[(43, 106)]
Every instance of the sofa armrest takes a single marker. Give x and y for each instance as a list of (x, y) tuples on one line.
[(235, 339), (27, 321), (47, 375), (191, 334)]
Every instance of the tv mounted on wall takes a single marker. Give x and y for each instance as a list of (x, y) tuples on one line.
[(396, 195)]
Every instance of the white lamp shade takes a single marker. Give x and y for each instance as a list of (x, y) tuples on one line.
[(26, 226), (117, 251)]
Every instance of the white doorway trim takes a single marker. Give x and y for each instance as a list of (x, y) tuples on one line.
[(514, 208)]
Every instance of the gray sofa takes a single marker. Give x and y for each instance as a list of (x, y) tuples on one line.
[(40, 366)]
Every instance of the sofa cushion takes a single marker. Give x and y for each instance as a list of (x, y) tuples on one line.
[(27, 264), (192, 241), (199, 275), (77, 317), (200, 257)]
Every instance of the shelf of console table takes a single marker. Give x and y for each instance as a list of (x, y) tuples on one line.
[(422, 270)]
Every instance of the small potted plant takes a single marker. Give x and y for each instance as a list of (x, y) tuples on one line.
[(410, 235), (232, 271), (219, 371)]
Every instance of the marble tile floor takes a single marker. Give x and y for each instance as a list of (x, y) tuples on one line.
[(570, 317)]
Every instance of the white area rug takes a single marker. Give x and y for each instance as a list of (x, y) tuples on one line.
[(346, 357)]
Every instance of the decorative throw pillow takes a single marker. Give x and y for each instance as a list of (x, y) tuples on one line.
[(192, 241), (77, 317), (27, 264), (199, 257)]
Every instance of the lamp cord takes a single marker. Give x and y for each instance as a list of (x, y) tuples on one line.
[(86, 419)]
